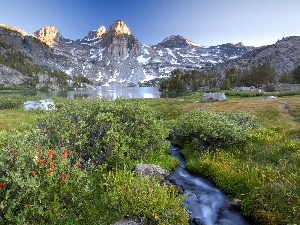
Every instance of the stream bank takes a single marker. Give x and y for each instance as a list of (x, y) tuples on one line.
[(206, 204)]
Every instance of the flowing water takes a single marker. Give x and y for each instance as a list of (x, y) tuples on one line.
[(205, 202)]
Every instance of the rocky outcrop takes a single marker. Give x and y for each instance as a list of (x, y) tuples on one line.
[(9, 76), (12, 36), (213, 97), (96, 33), (119, 42), (115, 56), (151, 170), (49, 35), (44, 104), (127, 222), (177, 41), (283, 57)]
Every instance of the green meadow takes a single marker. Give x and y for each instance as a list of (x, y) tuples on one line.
[(74, 165)]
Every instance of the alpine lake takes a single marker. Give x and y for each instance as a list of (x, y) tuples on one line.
[(106, 92)]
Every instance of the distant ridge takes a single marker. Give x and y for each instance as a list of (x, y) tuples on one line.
[(114, 55)]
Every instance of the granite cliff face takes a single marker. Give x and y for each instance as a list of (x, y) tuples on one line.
[(114, 55), (49, 35)]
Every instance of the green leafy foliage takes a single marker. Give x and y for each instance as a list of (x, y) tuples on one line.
[(39, 185), (48, 175), (257, 77), (206, 129), (114, 132), (189, 80), (137, 197)]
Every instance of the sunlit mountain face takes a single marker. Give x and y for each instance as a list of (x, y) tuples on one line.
[(114, 55)]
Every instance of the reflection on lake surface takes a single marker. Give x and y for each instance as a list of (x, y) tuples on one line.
[(109, 92)]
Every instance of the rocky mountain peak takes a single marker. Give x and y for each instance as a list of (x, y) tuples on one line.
[(177, 41), (119, 27), (239, 44), (96, 33), (101, 30), (22, 32), (49, 35)]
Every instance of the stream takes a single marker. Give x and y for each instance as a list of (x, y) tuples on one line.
[(206, 204)]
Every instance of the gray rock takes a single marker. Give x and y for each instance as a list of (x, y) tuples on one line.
[(151, 169), (45, 104), (127, 222), (214, 97)]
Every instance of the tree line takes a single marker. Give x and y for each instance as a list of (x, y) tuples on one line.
[(190, 80), (260, 76)]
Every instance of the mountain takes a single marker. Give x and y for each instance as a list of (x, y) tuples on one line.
[(177, 41), (283, 57), (114, 55)]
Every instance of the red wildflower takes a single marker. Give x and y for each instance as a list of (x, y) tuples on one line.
[(42, 162), (78, 164), (64, 156), (50, 171), (36, 146), (50, 154), (13, 151), (63, 177), (66, 152), (2, 185), (27, 205), (33, 172), (52, 165), (39, 155)]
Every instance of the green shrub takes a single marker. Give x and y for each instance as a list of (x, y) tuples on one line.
[(111, 132), (39, 185), (211, 129), (11, 102), (14, 102)]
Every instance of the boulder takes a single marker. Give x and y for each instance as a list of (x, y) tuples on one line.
[(151, 169), (127, 222), (45, 104), (214, 97)]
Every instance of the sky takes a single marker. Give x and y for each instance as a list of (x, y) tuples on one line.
[(207, 22)]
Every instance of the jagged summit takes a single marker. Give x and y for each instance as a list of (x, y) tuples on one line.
[(96, 33), (177, 41), (49, 35), (114, 55), (118, 27)]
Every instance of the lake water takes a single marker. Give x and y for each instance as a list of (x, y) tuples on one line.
[(109, 92)]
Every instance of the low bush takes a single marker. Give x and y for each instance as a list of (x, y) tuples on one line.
[(73, 166), (111, 132), (14, 102), (39, 185), (43, 186), (206, 129)]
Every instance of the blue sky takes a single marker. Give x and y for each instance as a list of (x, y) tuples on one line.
[(207, 22)]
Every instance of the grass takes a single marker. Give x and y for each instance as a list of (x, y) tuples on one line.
[(16, 119), (264, 174)]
